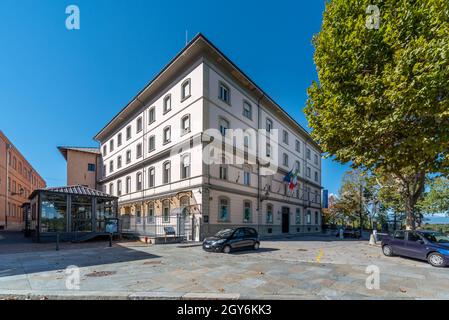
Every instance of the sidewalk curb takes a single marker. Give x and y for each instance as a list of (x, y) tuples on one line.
[(101, 295)]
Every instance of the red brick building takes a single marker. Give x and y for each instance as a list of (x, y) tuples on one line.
[(18, 179)]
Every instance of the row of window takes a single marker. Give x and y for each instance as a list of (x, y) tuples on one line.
[(225, 216), (17, 189), (167, 105), (185, 168), (166, 135), (224, 94), (22, 170), (14, 211)]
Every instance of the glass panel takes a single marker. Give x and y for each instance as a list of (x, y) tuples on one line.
[(81, 213), (54, 213), (105, 210)]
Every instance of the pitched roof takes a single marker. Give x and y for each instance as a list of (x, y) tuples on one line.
[(64, 150), (74, 190), (198, 44)]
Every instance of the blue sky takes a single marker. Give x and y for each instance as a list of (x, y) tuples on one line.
[(60, 87)]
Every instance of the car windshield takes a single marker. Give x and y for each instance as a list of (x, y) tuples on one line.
[(226, 233), (436, 237)]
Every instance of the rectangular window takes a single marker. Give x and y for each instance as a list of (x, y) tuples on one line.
[(247, 178), (285, 160), (298, 216), (139, 124), (247, 110), (119, 139), (269, 125), (128, 185), (316, 176), (224, 93), (91, 167), (119, 162), (128, 156), (224, 126), (166, 172), (247, 211), (298, 146), (269, 214), (185, 167), (104, 150), (167, 103), (111, 166), (308, 154), (167, 135), (285, 137), (111, 189), (223, 210), (128, 132), (309, 217), (111, 145), (151, 143), (139, 150), (151, 177), (308, 172), (223, 172), (298, 167), (316, 159), (139, 181), (152, 115), (119, 188)]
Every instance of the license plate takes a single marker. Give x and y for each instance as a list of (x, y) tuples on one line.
[(207, 246)]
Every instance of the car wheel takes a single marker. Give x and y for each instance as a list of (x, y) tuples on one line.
[(387, 250), (436, 259), (226, 249), (256, 246)]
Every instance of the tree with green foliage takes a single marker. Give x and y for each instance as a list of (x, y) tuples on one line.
[(436, 200), (382, 100)]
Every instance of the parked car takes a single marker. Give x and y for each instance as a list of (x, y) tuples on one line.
[(421, 244), (227, 240)]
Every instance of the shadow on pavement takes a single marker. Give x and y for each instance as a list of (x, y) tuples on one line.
[(44, 261)]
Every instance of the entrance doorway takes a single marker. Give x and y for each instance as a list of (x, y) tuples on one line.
[(285, 220)]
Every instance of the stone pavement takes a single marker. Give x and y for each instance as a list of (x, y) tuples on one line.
[(293, 268)]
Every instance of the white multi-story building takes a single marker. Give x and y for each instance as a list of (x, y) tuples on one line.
[(153, 157)]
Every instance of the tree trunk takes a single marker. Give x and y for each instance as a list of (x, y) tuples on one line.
[(412, 189)]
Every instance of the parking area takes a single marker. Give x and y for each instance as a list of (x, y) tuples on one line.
[(293, 268)]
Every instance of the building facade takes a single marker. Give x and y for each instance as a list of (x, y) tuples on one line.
[(18, 179), (83, 166), (154, 155)]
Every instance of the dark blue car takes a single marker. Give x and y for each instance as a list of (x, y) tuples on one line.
[(422, 244)]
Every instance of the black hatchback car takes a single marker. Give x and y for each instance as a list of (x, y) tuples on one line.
[(227, 240)]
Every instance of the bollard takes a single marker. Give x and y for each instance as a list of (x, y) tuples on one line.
[(110, 240), (57, 241)]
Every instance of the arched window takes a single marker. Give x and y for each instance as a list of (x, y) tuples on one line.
[(185, 166), (184, 203), (166, 172), (223, 125), (166, 211), (150, 212), (247, 211), (139, 181), (167, 103), (185, 124), (269, 213), (185, 89), (223, 209), (167, 134), (151, 177)]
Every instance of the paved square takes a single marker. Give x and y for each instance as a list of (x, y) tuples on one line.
[(294, 268)]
